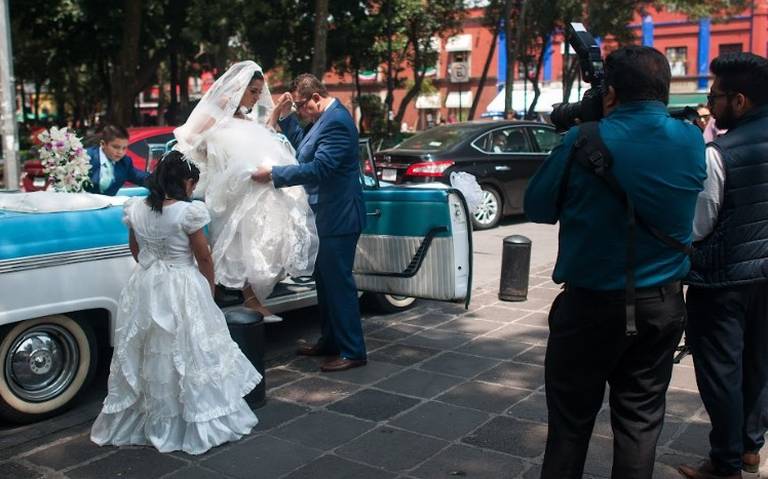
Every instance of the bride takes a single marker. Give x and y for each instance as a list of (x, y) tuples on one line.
[(259, 234)]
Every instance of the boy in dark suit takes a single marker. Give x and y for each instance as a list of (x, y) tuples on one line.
[(329, 165), (110, 166)]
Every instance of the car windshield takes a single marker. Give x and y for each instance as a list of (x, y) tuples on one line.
[(438, 138)]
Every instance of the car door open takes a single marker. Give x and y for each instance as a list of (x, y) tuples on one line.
[(417, 241)]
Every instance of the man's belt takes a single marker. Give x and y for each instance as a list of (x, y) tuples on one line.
[(619, 294)]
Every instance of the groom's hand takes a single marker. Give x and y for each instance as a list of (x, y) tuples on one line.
[(284, 103), (262, 175)]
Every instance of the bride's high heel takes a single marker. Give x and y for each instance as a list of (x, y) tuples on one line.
[(252, 302)]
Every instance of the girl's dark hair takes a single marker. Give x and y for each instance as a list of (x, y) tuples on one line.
[(167, 181), (257, 75)]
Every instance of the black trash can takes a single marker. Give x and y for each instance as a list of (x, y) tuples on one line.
[(247, 329), (515, 268)]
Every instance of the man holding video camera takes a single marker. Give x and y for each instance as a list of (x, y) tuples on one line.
[(624, 190)]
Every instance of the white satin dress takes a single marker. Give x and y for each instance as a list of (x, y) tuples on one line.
[(259, 234), (177, 379)]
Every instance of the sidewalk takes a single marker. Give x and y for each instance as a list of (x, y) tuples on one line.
[(446, 393)]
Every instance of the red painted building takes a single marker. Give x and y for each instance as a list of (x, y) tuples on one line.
[(690, 45)]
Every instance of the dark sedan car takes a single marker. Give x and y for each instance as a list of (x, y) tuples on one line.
[(501, 155)]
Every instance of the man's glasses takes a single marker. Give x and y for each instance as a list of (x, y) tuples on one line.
[(299, 104)]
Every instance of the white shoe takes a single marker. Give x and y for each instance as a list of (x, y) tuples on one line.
[(272, 318)]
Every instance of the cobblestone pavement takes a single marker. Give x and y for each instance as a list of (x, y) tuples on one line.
[(447, 392)]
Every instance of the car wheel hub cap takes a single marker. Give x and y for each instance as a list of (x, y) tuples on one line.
[(487, 209), (41, 363)]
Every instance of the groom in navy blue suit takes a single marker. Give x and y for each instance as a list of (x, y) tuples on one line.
[(329, 169)]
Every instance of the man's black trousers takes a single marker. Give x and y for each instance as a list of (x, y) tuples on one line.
[(587, 349), (727, 332)]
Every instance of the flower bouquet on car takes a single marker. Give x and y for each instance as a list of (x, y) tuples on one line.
[(64, 160)]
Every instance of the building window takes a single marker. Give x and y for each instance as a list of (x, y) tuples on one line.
[(678, 60), (730, 48)]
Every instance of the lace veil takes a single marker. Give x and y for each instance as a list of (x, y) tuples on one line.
[(218, 105)]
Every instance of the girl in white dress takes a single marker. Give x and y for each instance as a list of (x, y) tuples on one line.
[(177, 379), (259, 234)]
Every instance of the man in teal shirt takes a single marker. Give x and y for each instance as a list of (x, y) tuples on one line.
[(659, 163)]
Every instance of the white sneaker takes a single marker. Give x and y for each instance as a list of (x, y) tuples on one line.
[(272, 318)]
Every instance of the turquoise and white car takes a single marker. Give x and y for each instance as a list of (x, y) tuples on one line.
[(61, 275)]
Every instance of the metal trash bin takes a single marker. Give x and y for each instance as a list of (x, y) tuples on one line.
[(247, 329), (515, 268)]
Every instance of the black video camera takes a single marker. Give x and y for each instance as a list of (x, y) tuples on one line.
[(590, 108)]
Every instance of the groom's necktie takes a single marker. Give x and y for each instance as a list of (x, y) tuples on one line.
[(106, 175)]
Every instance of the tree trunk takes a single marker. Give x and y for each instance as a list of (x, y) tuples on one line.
[(509, 81), (359, 94), (571, 71), (23, 96), (124, 74), (38, 88), (321, 38), (535, 80), (484, 76), (390, 98), (173, 107)]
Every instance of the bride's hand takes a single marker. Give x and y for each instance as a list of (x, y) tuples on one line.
[(262, 175)]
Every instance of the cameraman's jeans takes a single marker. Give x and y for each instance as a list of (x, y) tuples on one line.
[(728, 334), (588, 348)]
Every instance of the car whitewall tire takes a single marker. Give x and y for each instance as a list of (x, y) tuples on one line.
[(488, 212), (46, 363)]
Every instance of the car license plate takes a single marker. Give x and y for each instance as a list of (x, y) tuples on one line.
[(38, 182), (389, 174)]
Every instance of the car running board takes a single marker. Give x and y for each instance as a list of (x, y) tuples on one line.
[(417, 260)]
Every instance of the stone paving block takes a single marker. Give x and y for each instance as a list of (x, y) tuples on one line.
[(419, 383), (277, 377), (673, 425), (330, 466), (441, 420), (125, 463), (307, 364), (543, 293), (483, 396), (530, 304), (264, 457), (277, 412), (68, 454), (534, 355), (437, 339), (470, 326), (315, 391), (599, 457), (395, 332), (683, 403), (373, 405), (533, 473), (515, 375), (323, 430), (195, 472), (693, 440), (372, 345), (464, 461), (684, 377), (370, 373), (603, 423), (535, 319), (674, 459), (499, 314), (392, 449), (429, 320), (15, 470), (403, 354), (532, 408), (498, 348), (370, 326), (458, 364), (504, 434), (522, 333)]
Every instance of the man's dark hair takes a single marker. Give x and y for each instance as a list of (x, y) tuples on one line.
[(638, 74), (110, 132), (307, 85), (744, 73)]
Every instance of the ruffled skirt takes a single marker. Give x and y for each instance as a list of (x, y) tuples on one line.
[(177, 379)]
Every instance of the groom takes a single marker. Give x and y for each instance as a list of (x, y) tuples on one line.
[(328, 167)]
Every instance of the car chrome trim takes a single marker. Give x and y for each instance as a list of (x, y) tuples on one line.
[(60, 259)]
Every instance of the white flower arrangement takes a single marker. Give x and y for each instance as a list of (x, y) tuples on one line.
[(64, 160)]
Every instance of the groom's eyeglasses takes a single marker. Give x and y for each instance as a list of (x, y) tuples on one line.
[(300, 104)]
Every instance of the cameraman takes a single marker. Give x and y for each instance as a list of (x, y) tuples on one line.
[(659, 163)]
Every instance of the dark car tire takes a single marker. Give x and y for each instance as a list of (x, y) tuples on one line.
[(389, 303), (73, 370), (488, 213)]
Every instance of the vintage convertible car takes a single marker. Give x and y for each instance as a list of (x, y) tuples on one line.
[(61, 274)]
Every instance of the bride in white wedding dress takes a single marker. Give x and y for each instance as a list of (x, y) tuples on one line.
[(259, 234)]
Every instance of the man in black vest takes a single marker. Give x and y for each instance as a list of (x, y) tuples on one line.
[(728, 294)]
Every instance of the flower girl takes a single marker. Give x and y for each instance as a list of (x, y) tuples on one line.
[(177, 379)]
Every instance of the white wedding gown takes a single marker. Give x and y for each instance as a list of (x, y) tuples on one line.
[(259, 233), (177, 379)]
